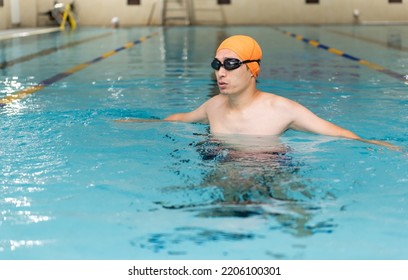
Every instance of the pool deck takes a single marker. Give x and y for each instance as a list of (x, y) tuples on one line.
[(23, 32)]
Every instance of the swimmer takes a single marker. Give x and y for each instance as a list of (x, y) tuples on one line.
[(241, 108)]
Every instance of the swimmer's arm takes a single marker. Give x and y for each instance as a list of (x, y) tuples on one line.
[(305, 120), (199, 115), (127, 120), (382, 143), (301, 118)]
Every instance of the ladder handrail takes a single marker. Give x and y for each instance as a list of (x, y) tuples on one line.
[(184, 6)]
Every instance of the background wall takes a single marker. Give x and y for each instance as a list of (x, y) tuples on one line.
[(4, 16), (149, 12)]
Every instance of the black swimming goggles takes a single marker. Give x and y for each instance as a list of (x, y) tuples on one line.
[(230, 63)]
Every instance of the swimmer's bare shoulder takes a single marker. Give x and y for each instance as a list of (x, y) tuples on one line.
[(279, 102), (279, 107)]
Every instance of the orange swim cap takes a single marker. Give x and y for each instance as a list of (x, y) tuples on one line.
[(246, 48)]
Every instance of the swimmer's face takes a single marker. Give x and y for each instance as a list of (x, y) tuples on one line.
[(231, 81)]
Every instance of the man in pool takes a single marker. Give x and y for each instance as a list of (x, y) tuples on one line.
[(241, 108)]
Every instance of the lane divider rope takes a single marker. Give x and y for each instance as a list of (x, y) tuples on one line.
[(371, 65), (41, 85)]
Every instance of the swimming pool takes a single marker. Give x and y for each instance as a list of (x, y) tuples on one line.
[(75, 184)]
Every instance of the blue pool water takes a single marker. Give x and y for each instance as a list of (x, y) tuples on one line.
[(75, 184)]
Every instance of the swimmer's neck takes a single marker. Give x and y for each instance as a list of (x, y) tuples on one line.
[(243, 100)]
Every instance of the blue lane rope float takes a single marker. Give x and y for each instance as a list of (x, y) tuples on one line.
[(371, 65), (9, 63), (30, 90)]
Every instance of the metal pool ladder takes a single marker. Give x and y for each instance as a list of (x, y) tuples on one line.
[(176, 12)]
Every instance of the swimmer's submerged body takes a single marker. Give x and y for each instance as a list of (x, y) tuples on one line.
[(248, 169), (249, 176)]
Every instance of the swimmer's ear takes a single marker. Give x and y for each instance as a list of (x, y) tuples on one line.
[(249, 70)]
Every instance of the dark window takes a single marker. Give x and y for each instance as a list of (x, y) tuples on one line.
[(394, 1), (312, 1), (224, 2), (133, 2)]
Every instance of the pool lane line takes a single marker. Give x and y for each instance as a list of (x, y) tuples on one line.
[(371, 65), (41, 85), (5, 64)]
